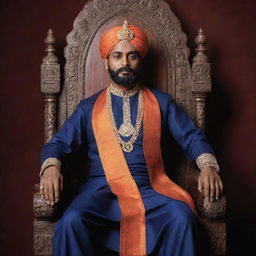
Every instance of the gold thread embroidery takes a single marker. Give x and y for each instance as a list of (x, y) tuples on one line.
[(207, 159)]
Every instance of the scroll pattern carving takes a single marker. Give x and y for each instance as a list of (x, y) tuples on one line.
[(200, 103), (98, 12), (42, 244), (50, 116)]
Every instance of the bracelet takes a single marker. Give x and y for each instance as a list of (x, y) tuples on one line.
[(207, 159), (48, 162)]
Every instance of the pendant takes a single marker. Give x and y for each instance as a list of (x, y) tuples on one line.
[(127, 147), (126, 130)]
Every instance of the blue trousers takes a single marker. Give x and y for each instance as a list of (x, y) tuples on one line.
[(90, 225)]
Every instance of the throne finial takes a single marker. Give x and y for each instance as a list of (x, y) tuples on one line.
[(50, 86), (200, 41), (50, 58), (201, 71)]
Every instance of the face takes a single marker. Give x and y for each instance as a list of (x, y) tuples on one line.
[(123, 64)]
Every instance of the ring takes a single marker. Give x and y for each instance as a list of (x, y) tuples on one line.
[(41, 187)]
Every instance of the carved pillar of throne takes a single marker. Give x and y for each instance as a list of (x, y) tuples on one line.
[(167, 68)]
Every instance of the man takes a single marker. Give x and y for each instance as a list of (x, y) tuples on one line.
[(128, 205)]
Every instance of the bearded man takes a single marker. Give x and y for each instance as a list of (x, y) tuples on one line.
[(128, 205)]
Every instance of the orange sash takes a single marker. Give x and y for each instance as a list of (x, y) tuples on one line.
[(119, 178)]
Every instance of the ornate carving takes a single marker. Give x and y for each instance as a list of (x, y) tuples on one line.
[(50, 79), (98, 12), (201, 71), (41, 208), (215, 209), (201, 68), (42, 244), (200, 103), (50, 117), (50, 86)]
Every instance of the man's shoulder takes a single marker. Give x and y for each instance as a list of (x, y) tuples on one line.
[(89, 102), (162, 97)]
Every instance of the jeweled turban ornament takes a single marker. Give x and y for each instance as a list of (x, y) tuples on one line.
[(128, 33)]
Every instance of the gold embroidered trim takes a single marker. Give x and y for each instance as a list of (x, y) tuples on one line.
[(126, 146), (48, 162), (125, 34), (118, 92), (207, 159)]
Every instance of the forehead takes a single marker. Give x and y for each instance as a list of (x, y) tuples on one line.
[(123, 47)]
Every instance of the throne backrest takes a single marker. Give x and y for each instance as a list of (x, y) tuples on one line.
[(168, 56)]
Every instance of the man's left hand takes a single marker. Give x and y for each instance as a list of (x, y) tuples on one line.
[(210, 184)]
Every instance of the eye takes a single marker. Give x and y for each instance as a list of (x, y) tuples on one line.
[(117, 56), (133, 56)]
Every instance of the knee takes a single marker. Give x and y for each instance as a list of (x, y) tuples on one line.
[(71, 218), (182, 214)]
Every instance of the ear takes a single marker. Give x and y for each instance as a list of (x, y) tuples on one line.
[(106, 63)]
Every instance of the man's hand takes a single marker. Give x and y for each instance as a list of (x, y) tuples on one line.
[(210, 184), (51, 184)]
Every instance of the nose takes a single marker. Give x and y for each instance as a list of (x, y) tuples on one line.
[(125, 61)]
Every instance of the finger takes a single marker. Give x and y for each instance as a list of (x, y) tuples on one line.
[(46, 196), (61, 182), (217, 189), (200, 185), (212, 190), (221, 185), (206, 189), (56, 190), (41, 186), (51, 194)]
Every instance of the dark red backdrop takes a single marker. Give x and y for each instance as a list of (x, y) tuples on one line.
[(230, 28)]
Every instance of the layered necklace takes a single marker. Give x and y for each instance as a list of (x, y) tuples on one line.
[(126, 129)]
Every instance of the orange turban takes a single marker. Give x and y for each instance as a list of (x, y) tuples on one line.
[(129, 33)]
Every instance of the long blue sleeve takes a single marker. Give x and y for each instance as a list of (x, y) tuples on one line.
[(192, 140), (69, 138)]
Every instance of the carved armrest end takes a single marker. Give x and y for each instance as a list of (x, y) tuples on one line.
[(41, 208), (215, 209)]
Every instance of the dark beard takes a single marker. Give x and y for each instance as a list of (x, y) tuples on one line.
[(126, 81)]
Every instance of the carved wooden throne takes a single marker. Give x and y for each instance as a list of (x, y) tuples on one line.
[(166, 67)]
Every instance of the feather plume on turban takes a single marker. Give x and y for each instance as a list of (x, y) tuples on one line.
[(129, 33)]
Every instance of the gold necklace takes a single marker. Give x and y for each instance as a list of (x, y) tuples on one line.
[(126, 129), (126, 146)]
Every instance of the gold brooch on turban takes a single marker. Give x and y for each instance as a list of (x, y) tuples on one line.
[(128, 33)]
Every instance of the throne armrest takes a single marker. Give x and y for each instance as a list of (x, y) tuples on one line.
[(41, 209), (215, 209)]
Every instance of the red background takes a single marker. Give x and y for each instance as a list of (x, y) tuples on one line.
[(230, 29)]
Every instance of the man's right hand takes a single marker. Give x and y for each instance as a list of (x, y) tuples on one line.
[(51, 184)]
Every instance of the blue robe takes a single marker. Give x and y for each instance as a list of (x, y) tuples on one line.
[(170, 224)]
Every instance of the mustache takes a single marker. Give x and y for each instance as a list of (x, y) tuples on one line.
[(125, 68)]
